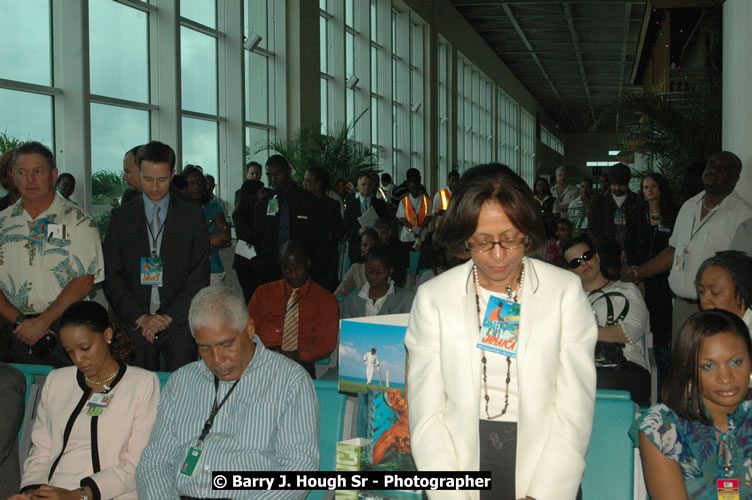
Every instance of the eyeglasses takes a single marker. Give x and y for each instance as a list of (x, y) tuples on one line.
[(487, 246), (575, 263)]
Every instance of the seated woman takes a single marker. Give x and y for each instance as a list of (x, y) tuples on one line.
[(702, 432), (216, 224), (723, 282), (94, 419), (355, 277), (379, 295), (622, 318)]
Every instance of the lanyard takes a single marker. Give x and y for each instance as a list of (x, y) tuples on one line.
[(215, 409), (692, 231), (155, 238)]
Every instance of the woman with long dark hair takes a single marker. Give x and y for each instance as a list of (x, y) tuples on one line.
[(94, 419)]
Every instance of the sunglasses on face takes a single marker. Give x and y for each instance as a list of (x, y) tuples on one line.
[(575, 263)]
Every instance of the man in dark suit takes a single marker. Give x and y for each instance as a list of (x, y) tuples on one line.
[(12, 394), (363, 201), (156, 256), (287, 213)]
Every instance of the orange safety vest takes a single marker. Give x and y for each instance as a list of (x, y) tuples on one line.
[(445, 196), (415, 219)]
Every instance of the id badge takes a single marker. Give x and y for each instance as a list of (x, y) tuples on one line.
[(272, 207), (151, 271), (96, 405), (501, 327), (56, 231), (680, 259), (620, 219), (191, 461), (728, 489)]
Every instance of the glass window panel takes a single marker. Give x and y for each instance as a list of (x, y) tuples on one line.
[(255, 139), (323, 45), (322, 4), (256, 20), (257, 87), (114, 130), (324, 104), (349, 54), (26, 116), (374, 71), (200, 11), (373, 21), (118, 51), (200, 145), (350, 98), (198, 71), (349, 6), (25, 42), (374, 120)]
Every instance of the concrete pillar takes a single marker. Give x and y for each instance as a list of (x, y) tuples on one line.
[(737, 73)]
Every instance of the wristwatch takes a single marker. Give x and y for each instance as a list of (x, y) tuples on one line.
[(20, 319), (84, 495)]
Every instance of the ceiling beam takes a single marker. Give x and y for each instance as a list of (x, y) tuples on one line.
[(625, 37), (576, 44)]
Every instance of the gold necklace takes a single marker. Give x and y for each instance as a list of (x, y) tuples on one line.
[(705, 206), (104, 381), (508, 379)]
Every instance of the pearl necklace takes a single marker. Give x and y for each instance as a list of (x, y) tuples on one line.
[(516, 298)]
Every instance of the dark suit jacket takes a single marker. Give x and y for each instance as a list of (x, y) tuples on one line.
[(305, 226), (601, 228), (184, 252), (12, 395), (352, 226)]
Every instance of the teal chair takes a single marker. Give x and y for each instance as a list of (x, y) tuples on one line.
[(331, 426), (29, 382), (609, 463), (163, 377), (33, 370), (414, 258)]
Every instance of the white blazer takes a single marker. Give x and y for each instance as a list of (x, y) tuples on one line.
[(554, 369)]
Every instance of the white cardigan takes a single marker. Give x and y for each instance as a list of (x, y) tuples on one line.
[(123, 430), (554, 369)]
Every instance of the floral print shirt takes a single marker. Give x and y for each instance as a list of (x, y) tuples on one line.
[(39, 257), (695, 447)]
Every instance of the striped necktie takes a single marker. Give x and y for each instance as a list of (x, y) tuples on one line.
[(290, 330)]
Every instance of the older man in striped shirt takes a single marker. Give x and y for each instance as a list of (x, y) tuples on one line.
[(243, 408)]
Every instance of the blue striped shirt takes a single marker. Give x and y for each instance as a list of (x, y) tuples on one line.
[(270, 422)]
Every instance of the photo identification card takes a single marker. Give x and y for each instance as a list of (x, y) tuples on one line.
[(96, 405), (151, 271), (501, 327), (728, 489)]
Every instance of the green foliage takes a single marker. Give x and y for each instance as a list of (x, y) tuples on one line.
[(102, 220), (7, 142), (342, 157), (106, 185), (675, 132)]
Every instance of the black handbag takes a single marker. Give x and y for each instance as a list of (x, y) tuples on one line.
[(610, 354)]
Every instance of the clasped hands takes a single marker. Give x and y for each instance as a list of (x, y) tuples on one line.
[(31, 330), (152, 324)]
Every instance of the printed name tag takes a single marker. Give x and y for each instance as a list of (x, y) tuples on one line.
[(680, 259), (501, 327), (728, 489), (151, 271), (38, 232), (96, 405), (273, 207), (56, 231), (191, 461)]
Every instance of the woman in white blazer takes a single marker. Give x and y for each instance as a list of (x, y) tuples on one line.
[(94, 419), (525, 415)]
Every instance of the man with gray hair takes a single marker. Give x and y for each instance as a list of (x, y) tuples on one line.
[(564, 192), (242, 407)]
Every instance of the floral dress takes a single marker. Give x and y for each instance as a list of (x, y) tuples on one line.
[(694, 446)]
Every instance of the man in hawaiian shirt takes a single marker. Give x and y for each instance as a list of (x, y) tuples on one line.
[(50, 257)]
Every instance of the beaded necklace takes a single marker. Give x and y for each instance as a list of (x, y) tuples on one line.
[(511, 295)]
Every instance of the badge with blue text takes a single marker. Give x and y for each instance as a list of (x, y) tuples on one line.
[(151, 271), (501, 327)]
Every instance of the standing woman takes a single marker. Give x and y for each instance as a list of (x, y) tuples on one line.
[(219, 230), (94, 419), (649, 227), (549, 206), (524, 413)]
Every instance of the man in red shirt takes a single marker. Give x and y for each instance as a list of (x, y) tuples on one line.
[(295, 316)]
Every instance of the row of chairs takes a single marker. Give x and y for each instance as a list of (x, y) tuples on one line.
[(610, 457)]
